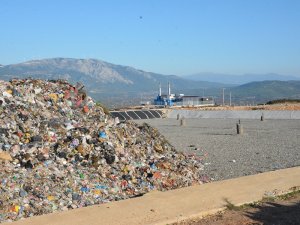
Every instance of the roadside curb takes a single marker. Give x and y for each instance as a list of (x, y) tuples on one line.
[(177, 205)]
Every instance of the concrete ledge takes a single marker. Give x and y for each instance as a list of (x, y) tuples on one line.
[(176, 205), (234, 114)]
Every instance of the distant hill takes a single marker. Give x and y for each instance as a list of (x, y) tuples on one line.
[(264, 91), (238, 79), (253, 92), (103, 80)]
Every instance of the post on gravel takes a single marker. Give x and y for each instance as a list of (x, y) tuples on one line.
[(182, 122), (178, 116), (239, 128), (262, 118)]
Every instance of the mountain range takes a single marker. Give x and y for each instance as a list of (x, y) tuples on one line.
[(117, 85), (239, 79), (104, 81)]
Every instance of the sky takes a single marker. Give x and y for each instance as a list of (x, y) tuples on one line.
[(179, 37)]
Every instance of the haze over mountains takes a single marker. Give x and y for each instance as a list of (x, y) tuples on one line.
[(117, 85), (239, 79), (98, 76)]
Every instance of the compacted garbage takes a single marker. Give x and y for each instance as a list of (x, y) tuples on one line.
[(60, 151)]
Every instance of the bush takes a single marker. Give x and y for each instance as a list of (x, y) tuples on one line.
[(278, 101)]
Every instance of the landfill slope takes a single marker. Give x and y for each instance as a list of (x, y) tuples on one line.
[(60, 151)]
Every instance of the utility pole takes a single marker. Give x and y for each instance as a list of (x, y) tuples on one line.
[(223, 96), (229, 98)]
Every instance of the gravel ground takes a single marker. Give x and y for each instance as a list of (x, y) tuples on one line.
[(264, 146)]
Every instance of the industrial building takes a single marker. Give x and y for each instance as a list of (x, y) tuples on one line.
[(181, 99)]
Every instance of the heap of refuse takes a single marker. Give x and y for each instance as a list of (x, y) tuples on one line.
[(60, 151)]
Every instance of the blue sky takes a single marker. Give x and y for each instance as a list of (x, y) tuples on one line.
[(163, 36)]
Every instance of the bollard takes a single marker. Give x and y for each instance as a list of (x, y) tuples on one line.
[(262, 118), (182, 122), (239, 121), (178, 116), (239, 128)]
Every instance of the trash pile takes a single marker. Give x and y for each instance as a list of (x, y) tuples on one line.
[(60, 151)]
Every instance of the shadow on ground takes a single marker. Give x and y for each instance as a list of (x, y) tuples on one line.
[(264, 213), (276, 214)]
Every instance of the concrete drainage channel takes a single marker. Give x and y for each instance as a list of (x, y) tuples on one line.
[(136, 114)]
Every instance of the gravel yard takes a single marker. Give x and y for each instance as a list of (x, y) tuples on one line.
[(264, 146)]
